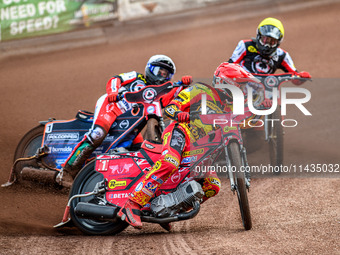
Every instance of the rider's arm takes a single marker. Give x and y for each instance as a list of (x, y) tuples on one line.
[(117, 82), (287, 64), (166, 99), (179, 107), (172, 110), (112, 88), (239, 53)]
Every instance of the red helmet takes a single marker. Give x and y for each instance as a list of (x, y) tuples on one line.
[(234, 74)]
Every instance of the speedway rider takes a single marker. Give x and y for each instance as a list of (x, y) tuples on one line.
[(177, 138), (262, 55), (159, 69)]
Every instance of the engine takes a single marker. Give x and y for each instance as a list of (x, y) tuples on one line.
[(180, 200)]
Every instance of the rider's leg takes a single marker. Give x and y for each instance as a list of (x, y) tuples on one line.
[(105, 114), (174, 143), (137, 142), (211, 186), (160, 172), (83, 150)]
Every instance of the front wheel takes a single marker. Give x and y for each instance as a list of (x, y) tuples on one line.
[(85, 182), (275, 142), (240, 184)]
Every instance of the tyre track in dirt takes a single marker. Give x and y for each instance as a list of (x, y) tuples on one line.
[(177, 245), (183, 240)]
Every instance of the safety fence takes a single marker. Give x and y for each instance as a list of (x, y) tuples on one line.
[(30, 18)]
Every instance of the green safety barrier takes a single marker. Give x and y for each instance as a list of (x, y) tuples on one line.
[(28, 18)]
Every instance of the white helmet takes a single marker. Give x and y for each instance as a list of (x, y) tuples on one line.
[(159, 69)]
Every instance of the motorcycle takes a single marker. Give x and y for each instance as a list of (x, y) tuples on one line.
[(273, 130), (42, 150), (102, 187)]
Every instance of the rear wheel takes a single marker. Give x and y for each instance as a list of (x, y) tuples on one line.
[(241, 189), (28, 147), (153, 131), (275, 142), (29, 144), (85, 182)]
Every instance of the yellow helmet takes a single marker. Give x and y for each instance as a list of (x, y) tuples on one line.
[(270, 34)]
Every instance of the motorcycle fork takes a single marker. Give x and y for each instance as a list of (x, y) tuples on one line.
[(230, 172), (266, 131), (161, 123), (243, 152), (246, 165)]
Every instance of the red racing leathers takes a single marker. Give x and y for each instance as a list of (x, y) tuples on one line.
[(108, 107), (177, 138)]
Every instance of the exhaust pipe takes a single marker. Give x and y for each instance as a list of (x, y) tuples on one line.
[(109, 213), (179, 217), (96, 212), (39, 175)]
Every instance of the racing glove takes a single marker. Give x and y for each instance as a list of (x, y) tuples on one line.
[(187, 80), (183, 116), (267, 103), (112, 97), (304, 75)]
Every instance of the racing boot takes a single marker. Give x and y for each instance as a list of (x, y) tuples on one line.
[(74, 163), (131, 213), (80, 154), (65, 177)]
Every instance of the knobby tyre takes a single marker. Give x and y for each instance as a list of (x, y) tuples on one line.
[(27, 147), (241, 189), (85, 182), (153, 131)]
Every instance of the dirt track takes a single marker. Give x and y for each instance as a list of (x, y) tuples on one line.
[(290, 215)]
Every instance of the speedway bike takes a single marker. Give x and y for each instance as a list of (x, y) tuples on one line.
[(272, 128), (102, 187), (41, 152)]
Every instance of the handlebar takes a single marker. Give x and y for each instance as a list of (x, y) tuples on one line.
[(288, 76), (275, 80), (150, 93)]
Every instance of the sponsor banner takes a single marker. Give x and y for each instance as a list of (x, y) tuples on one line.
[(28, 18)]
